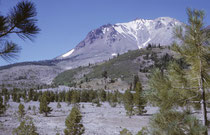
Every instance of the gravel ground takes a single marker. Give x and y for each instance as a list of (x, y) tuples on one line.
[(104, 120)]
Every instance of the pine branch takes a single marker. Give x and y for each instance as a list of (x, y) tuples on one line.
[(7, 32), (3, 24), (9, 50), (21, 21)]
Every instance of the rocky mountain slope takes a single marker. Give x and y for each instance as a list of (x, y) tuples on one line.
[(110, 40), (120, 70), (100, 44)]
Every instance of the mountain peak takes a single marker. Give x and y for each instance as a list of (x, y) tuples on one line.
[(101, 43)]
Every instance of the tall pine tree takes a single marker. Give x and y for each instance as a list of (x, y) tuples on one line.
[(44, 108), (21, 110), (197, 55), (128, 102), (26, 127), (180, 86), (2, 106), (73, 123), (139, 100)]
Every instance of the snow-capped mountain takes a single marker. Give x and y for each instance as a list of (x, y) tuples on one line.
[(99, 45), (110, 40)]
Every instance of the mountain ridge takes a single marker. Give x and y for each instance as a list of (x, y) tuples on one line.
[(99, 45), (137, 33)]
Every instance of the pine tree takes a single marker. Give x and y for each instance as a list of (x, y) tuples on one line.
[(175, 123), (29, 107), (128, 102), (73, 123), (14, 96), (84, 96), (26, 127), (18, 97), (139, 100), (125, 132), (182, 86), (104, 74), (58, 105), (2, 106), (44, 108), (75, 97), (25, 96), (34, 110), (6, 95), (68, 96), (103, 95), (197, 55), (135, 81), (21, 21), (56, 96), (30, 94), (21, 110)]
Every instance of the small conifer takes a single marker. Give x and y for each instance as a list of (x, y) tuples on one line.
[(73, 123), (44, 108), (21, 110)]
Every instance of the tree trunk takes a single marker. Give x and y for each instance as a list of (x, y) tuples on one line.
[(203, 109), (203, 100)]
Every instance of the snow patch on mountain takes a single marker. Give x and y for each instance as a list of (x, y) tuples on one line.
[(144, 44), (104, 30), (132, 29), (108, 40), (68, 53), (114, 54)]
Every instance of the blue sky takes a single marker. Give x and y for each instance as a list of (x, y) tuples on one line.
[(64, 23)]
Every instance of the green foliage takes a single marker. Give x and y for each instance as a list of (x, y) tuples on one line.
[(21, 21), (128, 102), (14, 96), (84, 96), (26, 127), (30, 94), (43, 107), (135, 80), (58, 105), (122, 67), (2, 106), (143, 131), (162, 94), (113, 99), (97, 102), (75, 98), (25, 96), (104, 74), (68, 96), (29, 107), (18, 97), (181, 85), (21, 110), (66, 78), (125, 132), (61, 96), (197, 54), (34, 110), (73, 123), (175, 123), (139, 99)]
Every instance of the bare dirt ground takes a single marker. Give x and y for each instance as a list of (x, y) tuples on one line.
[(104, 120)]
